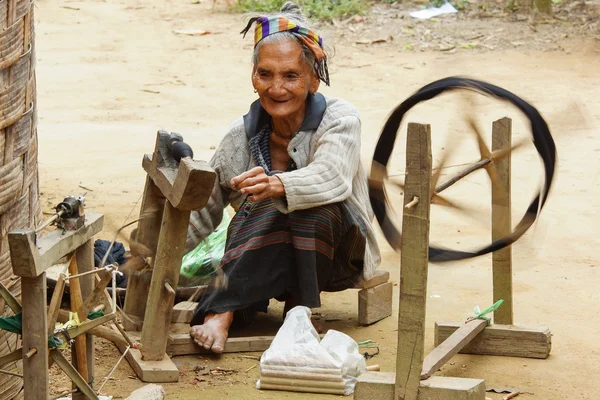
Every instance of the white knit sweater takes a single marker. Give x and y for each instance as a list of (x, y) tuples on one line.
[(328, 171)]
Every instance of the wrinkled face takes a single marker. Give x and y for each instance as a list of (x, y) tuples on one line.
[(283, 80)]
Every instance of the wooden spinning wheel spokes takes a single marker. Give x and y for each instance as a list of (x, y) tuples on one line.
[(487, 161), (542, 140)]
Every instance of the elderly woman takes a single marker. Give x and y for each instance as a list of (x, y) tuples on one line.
[(291, 169)]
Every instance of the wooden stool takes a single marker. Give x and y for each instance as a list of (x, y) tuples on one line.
[(374, 304), (375, 298), (374, 301)]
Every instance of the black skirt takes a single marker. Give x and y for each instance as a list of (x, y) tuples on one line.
[(269, 254)]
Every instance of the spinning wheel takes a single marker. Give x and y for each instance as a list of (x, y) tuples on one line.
[(541, 137)]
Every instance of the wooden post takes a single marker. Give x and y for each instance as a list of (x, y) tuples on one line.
[(501, 223), (185, 185), (97, 295), (85, 262), (414, 263), (169, 254), (35, 335), (30, 257), (79, 348), (147, 234)]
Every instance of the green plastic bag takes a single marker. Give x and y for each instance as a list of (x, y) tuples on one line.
[(199, 265)]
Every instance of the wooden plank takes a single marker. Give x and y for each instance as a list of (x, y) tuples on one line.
[(380, 386), (30, 257), (502, 223), (79, 330), (74, 375), (169, 254), (149, 371), (183, 344), (502, 340), (11, 301), (54, 307), (101, 331), (35, 335), (375, 304), (92, 300), (106, 299), (183, 312), (147, 234), (157, 371), (379, 277), (414, 262), (187, 184), (79, 349), (85, 263), (451, 346), (84, 256)]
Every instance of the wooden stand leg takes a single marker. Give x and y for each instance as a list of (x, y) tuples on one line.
[(147, 234), (414, 263), (35, 335), (501, 223), (165, 278), (79, 349), (86, 391), (85, 262)]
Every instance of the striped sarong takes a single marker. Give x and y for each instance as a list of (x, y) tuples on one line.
[(269, 254)]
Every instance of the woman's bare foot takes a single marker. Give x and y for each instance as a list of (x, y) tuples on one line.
[(213, 333)]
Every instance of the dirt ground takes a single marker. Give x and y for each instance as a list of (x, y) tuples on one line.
[(111, 73)]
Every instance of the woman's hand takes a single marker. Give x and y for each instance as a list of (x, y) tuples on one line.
[(258, 185)]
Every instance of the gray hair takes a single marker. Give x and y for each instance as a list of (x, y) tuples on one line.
[(291, 12)]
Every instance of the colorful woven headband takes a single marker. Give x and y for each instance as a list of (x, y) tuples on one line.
[(266, 26)]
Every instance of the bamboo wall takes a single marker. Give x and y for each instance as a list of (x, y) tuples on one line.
[(19, 189)]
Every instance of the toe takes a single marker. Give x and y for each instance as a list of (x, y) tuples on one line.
[(194, 331), (208, 343), (203, 337), (219, 345)]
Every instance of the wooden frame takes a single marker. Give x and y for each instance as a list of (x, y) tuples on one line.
[(172, 190), (503, 338), (413, 377), (31, 256)]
